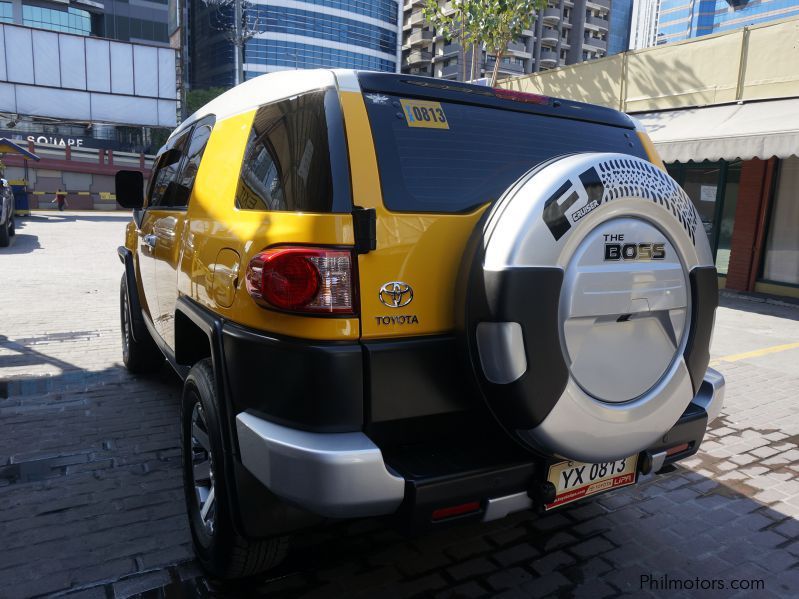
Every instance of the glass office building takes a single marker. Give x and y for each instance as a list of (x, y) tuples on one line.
[(290, 34), (621, 15), (685, 19)]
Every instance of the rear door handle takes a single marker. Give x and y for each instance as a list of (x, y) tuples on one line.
[(150, 240)]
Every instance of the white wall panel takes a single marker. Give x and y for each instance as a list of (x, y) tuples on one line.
[(167, 113), (73, 61), (120, 109), (145, 70), (121, 68), (19, 52), (46, 66), (98, 65), (166, 74), (59, 103), (3, 74), (7, 101)]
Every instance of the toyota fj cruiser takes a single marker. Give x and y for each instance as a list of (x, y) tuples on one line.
[(393, 295)]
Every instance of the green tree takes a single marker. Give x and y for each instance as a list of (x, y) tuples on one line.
[(197, 98), (500, 22), (458, 24)]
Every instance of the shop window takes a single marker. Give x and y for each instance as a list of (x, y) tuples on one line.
[(782, 243), (727, 217), (701, 183)]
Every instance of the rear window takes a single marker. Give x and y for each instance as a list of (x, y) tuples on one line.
[(296, 157), (460, 156)]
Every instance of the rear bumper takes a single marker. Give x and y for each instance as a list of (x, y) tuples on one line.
[(338, 475), (344, 475)]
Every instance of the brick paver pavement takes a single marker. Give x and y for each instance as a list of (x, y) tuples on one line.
[(90, 490)]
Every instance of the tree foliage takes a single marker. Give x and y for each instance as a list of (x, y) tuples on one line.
[(197, 98), (477, 23), (501, 22)]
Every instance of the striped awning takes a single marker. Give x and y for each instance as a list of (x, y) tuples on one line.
[(9, 147), (747, 130)]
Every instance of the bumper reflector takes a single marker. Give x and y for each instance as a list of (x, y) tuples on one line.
[(455, 510)]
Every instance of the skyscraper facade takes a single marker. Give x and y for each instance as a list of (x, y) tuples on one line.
[(685, 19), (564, 32), (644, 24), (293, 34), (620, 25)]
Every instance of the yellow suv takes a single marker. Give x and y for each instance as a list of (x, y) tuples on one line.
[(397, 296)]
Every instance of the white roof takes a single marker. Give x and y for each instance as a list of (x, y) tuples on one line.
[(271, 87), (747, 130)]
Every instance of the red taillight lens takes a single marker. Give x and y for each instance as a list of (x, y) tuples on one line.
[(527, 98), (300, 279)]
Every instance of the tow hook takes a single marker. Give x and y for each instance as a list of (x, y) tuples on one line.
[(542, 493)]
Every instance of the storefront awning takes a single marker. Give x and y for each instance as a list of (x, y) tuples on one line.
[(750, 130), (9, 147)]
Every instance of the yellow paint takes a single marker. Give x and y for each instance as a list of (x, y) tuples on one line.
[(424, 114), (776, 289), (755, 353), (216, 224), (651, 152), (423, 250)]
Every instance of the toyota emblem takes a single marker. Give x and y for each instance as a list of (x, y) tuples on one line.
[(396, 294)]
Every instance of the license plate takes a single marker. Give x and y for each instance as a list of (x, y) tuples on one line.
[(575, 480)]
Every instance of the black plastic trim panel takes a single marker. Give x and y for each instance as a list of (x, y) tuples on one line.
[(705, 299), (309, 385)]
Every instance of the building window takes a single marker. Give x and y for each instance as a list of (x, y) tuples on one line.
[(782, 245), (6, 12), (71, 20)]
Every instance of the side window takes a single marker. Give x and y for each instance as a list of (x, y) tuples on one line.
[(163, 187), (194, 154), (287, 160)]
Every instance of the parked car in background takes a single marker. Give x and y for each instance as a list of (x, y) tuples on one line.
[(396, 296), (6, 213)]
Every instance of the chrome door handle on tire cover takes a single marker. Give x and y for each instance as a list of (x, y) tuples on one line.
[(150, 240)]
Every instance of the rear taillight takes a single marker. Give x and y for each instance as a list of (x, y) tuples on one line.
[(527, 98), (302, 279)]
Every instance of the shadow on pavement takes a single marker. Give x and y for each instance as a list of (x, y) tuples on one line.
[(21, 243), (765, 305)]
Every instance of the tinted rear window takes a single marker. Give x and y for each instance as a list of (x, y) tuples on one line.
[(296, 157), (484, 150)]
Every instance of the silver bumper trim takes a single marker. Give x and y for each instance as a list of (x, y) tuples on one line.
[(499, 507), (338, 475), (711, 394)]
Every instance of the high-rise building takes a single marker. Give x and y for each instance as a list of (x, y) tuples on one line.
[(565, 32), (123, 20), (620, 25), (684, 19), (644, 26), (293, 34)]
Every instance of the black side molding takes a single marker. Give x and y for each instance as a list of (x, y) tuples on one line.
[(705, 299)]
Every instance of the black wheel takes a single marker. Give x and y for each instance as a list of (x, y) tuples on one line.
[(5, 237), (12, 229), (138, 355), (220, 550)]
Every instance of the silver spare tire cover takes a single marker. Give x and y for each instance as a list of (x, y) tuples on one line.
[(590, 295)]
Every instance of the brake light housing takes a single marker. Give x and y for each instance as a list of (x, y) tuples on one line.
[(305, 280), (524, 97)]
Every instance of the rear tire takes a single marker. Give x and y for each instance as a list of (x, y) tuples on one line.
[(142, 355), (221, 551)]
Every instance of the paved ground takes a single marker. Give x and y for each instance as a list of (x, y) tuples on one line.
[(90, 491)]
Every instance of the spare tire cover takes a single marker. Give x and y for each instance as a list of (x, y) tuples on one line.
[(587, 298)]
